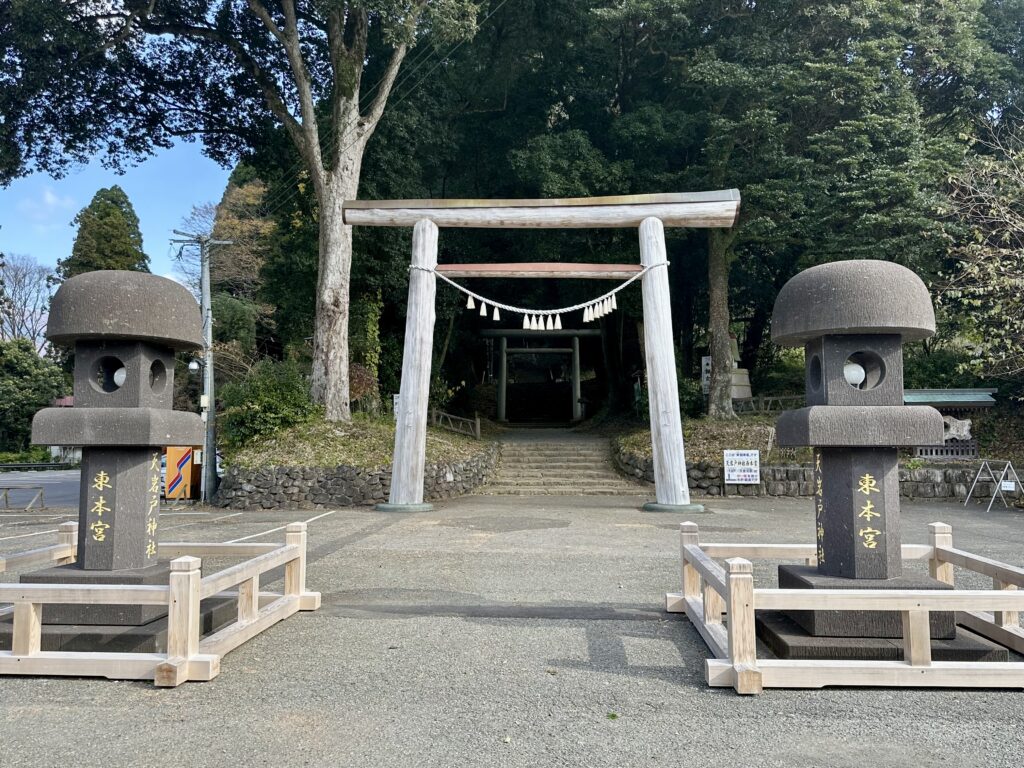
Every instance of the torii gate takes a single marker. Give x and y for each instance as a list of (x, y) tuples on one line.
[(650, 213)]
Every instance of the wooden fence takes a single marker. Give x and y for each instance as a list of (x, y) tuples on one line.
[(459, 424), (189, 656), (721, 601)]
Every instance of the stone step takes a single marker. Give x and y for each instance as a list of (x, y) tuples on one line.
[(490, 490), (574, 461), (577, 475), (566, 455)]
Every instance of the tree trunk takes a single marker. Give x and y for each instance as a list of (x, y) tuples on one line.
[(330, 381), (720, 395)]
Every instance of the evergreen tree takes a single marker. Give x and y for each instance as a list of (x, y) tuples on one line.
[(108, 237)]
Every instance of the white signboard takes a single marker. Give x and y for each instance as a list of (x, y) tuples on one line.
[(705, 373), (742, 467), (1008, 485)]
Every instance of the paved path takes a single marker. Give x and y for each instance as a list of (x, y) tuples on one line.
[(60, 486), (508, 631)]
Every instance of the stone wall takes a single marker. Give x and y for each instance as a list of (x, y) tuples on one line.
[(796, 480), (326, 487)]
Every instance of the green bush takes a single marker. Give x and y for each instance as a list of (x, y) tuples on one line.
[(272, 396), (946, 368), (38, 454)]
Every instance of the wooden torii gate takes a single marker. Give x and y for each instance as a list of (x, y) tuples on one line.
[(649, 213)]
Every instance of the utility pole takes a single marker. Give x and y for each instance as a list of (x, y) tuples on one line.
[(209, 410)]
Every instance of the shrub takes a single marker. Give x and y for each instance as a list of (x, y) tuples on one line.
[(272, 396)]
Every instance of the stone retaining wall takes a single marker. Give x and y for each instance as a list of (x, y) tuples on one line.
[(326, 487), (796, 480)]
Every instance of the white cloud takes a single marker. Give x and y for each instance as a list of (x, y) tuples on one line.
[(48, 208)]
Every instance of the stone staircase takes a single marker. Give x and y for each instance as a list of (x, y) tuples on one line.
[(558, 465)]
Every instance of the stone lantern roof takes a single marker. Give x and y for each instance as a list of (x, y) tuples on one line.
[(123, 305), (852, 297)]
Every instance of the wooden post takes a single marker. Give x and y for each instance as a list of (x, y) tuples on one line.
[(28, 629), (940, 535), (670, 482), (295, 571), (502, 376), (182, 621), (411, 420), (917, 642), (577, 406), (1005, 618), (67, 536), (742, 636), (249, 599), (476, 425), (688, 534)]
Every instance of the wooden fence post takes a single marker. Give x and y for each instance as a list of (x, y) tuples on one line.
[(67, 536), (688, 534), (249, 599), (917, 639), (295, 571), (182, 621), (28, 629), (476, 426), (741, 630), (1005, 618), (940, 535)]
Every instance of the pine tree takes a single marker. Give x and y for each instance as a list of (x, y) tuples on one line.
[(108, 237)]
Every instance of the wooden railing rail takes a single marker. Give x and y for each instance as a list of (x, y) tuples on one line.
[(458, 424)]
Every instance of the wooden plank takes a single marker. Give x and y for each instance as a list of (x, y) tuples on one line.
[(84, 594), (182, 622), (114, 666), (917, 639), (28, 627), (711, 196), (715, 214), (983, 623), (778, 673), (710, 571), (236, 574), (792, 551), (670, 480), (542, 270), (414, 391), (714, 605), (229, 638), (1007, 574), (714, 635), (887, 600), (761, 551), (43, 556), (173, 549)]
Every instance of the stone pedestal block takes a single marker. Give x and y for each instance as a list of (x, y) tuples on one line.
[(107, 615), (860, 624)]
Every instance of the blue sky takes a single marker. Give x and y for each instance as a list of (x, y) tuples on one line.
[(36, 211)]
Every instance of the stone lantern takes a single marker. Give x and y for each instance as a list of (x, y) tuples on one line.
[(851, 318), (125, 328)]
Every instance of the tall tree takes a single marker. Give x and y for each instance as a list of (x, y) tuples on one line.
[(228, 71), (24, 305), (108, 237), (28, 382)]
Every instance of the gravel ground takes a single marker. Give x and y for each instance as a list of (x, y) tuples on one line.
[(504, 631)]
